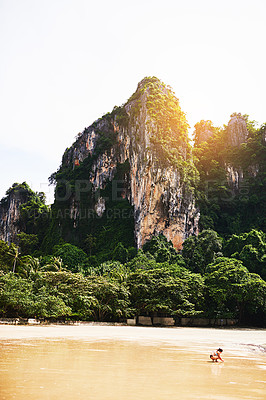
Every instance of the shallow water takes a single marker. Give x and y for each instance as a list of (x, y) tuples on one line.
[(118, 363)]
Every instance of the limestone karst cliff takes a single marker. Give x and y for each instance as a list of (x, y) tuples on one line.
[(237, 132), (22, 210), (148, 138), (10, 212), (204, 130), (233, 136), (231, 163)]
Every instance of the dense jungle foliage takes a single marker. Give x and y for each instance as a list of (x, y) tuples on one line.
[(209, 279)]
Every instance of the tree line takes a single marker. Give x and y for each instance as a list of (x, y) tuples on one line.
[(211, 277)]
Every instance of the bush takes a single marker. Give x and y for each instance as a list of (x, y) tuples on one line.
[(72, 256)]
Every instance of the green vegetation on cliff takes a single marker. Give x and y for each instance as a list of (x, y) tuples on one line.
[(231, 190), (167, 126), (74, 194)]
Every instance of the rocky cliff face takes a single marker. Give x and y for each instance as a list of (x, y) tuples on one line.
[(10, 213), (237, 130), (203, 131), (149, 134), (237, 134)]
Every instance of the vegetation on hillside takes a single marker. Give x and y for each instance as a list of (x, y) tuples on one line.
[(226, 207)]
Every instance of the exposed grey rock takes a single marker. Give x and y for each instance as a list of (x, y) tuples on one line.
[(10, 214), (100, 207), (205, 132), (237, 130)]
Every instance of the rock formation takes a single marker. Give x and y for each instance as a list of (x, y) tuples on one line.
[(10, 212), (237, 130), (149, 134), (237, 134), (203, 131)]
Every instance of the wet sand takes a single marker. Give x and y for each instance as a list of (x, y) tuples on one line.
[(122, 362)]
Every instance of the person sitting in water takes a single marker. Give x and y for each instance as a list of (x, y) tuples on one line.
[(217, 355)]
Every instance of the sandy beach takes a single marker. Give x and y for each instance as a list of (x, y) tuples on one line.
[(198, 338), (123, 362)]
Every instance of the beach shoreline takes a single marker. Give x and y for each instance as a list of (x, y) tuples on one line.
[(199, 338)]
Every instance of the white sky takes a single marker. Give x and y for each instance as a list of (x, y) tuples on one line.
[(64, 63)]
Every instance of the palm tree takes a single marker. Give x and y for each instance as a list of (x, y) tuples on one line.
[(14, 253), (55, 264), (31, 265)]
